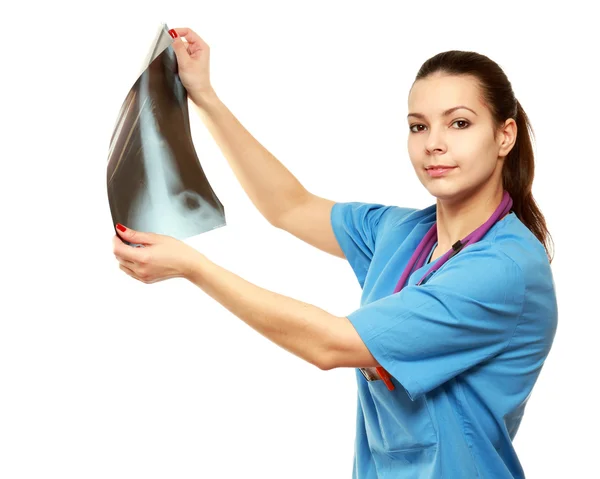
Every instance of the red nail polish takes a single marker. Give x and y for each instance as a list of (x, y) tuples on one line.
[(121, 227), (173, 33)]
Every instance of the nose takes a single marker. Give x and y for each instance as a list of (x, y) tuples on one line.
[(435, 143)]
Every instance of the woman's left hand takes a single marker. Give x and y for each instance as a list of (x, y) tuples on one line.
[(161, 257)]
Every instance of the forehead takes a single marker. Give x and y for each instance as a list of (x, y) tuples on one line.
[(432, 95)]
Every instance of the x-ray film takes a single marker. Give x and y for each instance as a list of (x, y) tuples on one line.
[(154, 177)]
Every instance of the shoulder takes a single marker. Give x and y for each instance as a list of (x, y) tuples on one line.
[(517, 243), (528, 278), (511, 260), (377, 217)]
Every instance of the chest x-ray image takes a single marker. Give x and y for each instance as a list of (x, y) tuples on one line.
[(155, 181)]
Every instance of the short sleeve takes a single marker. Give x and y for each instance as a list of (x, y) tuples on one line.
[(465, 314), (357, 227)]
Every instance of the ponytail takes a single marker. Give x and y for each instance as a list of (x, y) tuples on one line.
[(517, 178)]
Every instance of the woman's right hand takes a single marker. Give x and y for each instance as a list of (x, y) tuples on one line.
[(193, 63)]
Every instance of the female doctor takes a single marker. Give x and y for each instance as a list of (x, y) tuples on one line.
[(458, 311)]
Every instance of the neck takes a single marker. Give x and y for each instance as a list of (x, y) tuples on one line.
[(456, 219)]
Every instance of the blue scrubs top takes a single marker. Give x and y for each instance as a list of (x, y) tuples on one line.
[(464, 349)]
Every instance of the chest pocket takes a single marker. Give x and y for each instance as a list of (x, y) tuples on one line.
[(403, 424)]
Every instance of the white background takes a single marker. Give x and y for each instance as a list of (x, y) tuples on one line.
[(103, 376)]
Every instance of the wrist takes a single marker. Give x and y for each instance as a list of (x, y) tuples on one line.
[(194, 266), (204, 99)]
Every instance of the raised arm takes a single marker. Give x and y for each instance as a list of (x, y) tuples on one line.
[(271, 187)]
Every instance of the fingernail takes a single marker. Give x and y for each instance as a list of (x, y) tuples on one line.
[(173, 33), (121, 227)]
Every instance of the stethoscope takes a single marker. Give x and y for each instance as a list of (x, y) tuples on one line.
[(417, 261)]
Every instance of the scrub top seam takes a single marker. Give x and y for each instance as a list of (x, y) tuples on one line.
[(409, 312), (466, 428), (523, 295), (523, 288), (408, 218), (410, 378)]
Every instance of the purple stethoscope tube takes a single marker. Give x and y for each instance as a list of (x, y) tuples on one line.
[(417, 260)]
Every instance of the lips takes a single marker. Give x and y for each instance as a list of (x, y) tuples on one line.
[(436, 171)]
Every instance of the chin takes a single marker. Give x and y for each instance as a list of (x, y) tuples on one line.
[(444, 191)]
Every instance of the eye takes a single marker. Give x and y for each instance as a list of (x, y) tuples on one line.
[(462, 121), (465, 122), (412, 126)]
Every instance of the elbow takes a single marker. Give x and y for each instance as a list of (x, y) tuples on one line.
[(276, 221), (273, 221), (333, 353), (325, 366), (326, 360), (346, 349)]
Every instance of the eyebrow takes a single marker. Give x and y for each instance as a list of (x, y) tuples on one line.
[(446, 113)]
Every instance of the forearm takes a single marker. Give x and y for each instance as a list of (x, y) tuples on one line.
[(271, 187), (300, 328)]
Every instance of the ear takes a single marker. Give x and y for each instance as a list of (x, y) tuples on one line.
[(507, 137)]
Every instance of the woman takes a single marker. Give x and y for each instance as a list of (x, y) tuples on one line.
[(446, 357)]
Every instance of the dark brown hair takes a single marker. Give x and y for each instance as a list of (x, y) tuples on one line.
[(498, 95)]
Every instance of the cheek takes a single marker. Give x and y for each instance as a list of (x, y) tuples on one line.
[(415, 153), (474, 156)]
